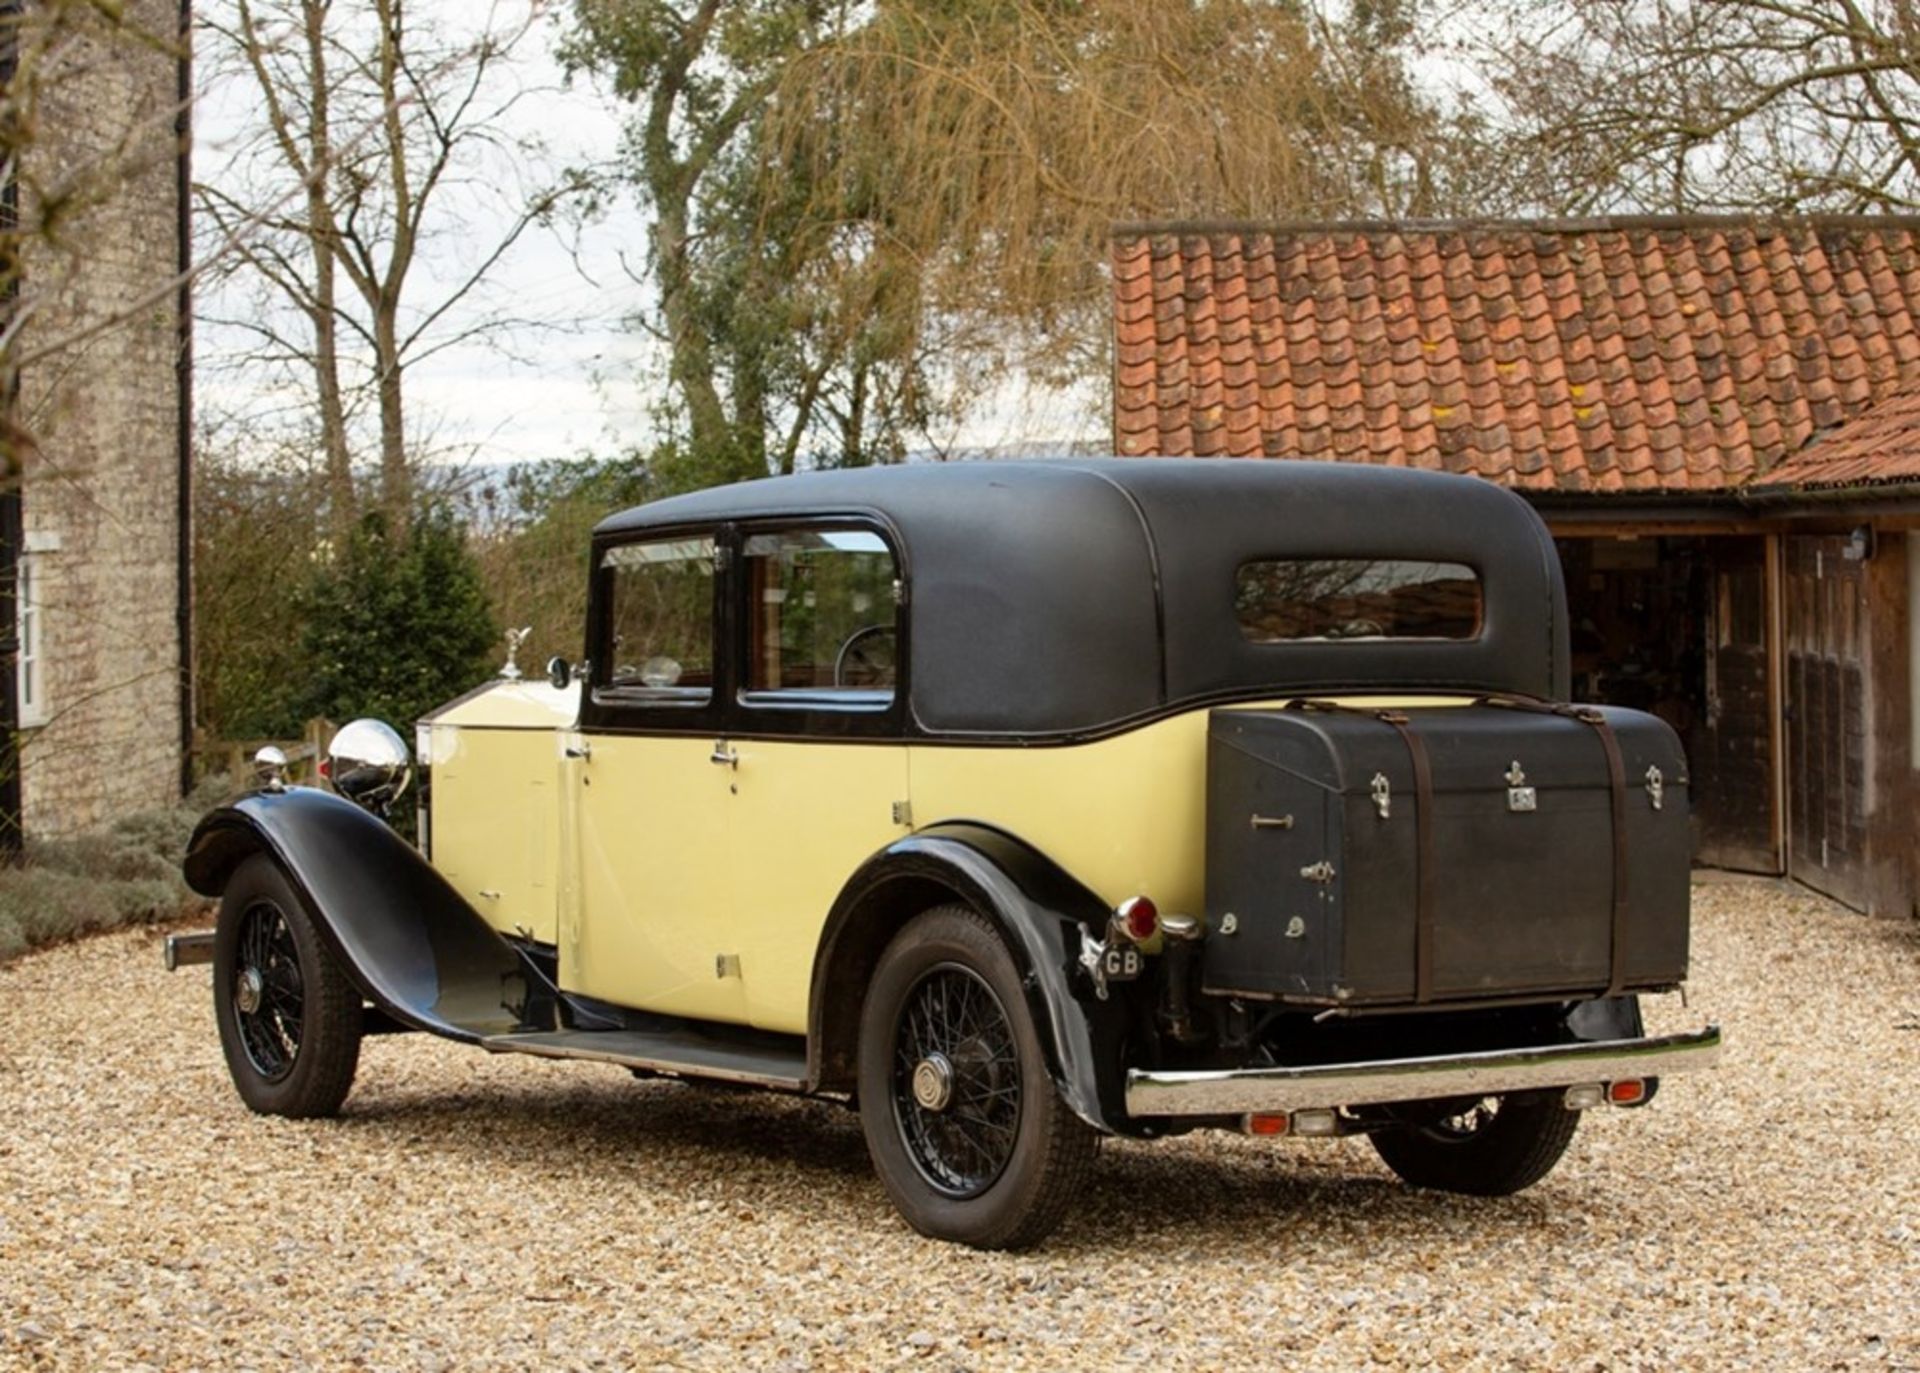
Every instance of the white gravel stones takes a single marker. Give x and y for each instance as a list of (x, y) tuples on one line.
[(470, 1211)]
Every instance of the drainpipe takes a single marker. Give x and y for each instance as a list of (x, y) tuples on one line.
[(1913, 650), (183, 380), (11, 476)]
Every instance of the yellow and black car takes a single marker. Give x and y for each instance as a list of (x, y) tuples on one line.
[(1016, 804)]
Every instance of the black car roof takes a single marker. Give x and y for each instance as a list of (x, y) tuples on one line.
[(1067, 595)]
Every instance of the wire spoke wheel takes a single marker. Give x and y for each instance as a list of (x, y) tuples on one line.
[(289, 1016), (970, 1134), (269, 992), (1491, 1147), (956, 1081)]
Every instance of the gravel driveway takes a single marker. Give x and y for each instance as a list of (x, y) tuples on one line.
[(473, 1211)]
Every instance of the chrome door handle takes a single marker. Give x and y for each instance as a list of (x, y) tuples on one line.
[(722, 754)]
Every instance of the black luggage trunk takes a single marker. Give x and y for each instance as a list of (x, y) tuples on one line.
[(1314, 855)]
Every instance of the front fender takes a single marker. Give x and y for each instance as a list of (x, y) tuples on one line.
[(1038, 909), (410, 943)]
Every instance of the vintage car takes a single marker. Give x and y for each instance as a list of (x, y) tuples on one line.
[(1015, 804)]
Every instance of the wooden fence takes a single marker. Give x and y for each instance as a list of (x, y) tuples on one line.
[(233, 758)]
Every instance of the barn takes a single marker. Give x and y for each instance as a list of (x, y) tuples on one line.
[(1718, 417)]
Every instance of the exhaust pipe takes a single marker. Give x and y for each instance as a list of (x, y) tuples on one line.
[(185, 950)]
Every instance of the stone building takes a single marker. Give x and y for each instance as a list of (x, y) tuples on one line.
[(99, 532), (1719, 418)]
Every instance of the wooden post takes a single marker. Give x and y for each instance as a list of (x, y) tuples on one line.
[(1890, 833), (318, 733)]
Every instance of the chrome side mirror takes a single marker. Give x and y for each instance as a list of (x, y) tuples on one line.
[(368, 763), (559, 672)]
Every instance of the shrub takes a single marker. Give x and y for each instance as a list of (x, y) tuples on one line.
[(126, 874), (395, 631)]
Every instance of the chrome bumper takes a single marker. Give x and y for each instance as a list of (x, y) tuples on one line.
[(185, 950), (1230, 1092)]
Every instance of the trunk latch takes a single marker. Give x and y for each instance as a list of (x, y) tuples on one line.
[(1520, 796), (1318, 872), (1382, 794), (1656, 786)]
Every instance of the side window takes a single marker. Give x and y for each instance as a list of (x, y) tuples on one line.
[(820, 617), (660, 617)]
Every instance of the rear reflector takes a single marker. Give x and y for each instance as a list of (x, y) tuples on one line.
[(1322, 1123), (1314, 1124), (1139, 917), (1627, 1092)]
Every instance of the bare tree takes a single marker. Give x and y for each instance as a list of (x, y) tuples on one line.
[(1653, 105), (391, 126)]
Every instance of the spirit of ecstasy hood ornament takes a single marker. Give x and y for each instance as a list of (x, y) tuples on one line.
[(515, 637)]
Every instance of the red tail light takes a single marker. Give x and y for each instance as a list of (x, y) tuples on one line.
[(1627, 1092), (1139, 918)]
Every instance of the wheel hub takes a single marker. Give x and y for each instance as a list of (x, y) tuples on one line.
[(249, 990), (933, 1082)]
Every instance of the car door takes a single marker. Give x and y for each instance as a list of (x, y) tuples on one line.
[(651, 925), (818, 767)]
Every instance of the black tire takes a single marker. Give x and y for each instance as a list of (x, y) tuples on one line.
[(1493, 1148), (997, 1162), (289, 1017)]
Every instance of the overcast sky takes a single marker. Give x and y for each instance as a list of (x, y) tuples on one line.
[(590, 387)]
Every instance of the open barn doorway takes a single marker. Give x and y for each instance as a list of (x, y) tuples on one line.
[(1681, 627)]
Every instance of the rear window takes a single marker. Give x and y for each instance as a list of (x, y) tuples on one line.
[(1285, 600)]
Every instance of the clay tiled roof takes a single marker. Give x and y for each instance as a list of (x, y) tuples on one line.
[(1595, 355), (1883, 445)]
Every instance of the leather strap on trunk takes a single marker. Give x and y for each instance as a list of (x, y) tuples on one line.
[(1423, 860), (1617, 785), (1423, 865)]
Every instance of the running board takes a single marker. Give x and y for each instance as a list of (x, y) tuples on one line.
[(684, 1053)]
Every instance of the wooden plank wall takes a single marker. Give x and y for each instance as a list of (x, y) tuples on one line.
[(1828, 718), (1851, 788)]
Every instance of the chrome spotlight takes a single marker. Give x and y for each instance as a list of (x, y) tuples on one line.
[(368, 763)]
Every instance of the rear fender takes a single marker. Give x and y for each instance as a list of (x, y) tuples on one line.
[(1038, 909), (410, 943)]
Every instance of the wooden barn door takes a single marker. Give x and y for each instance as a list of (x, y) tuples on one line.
[(1827, 717), (1733, 748)]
